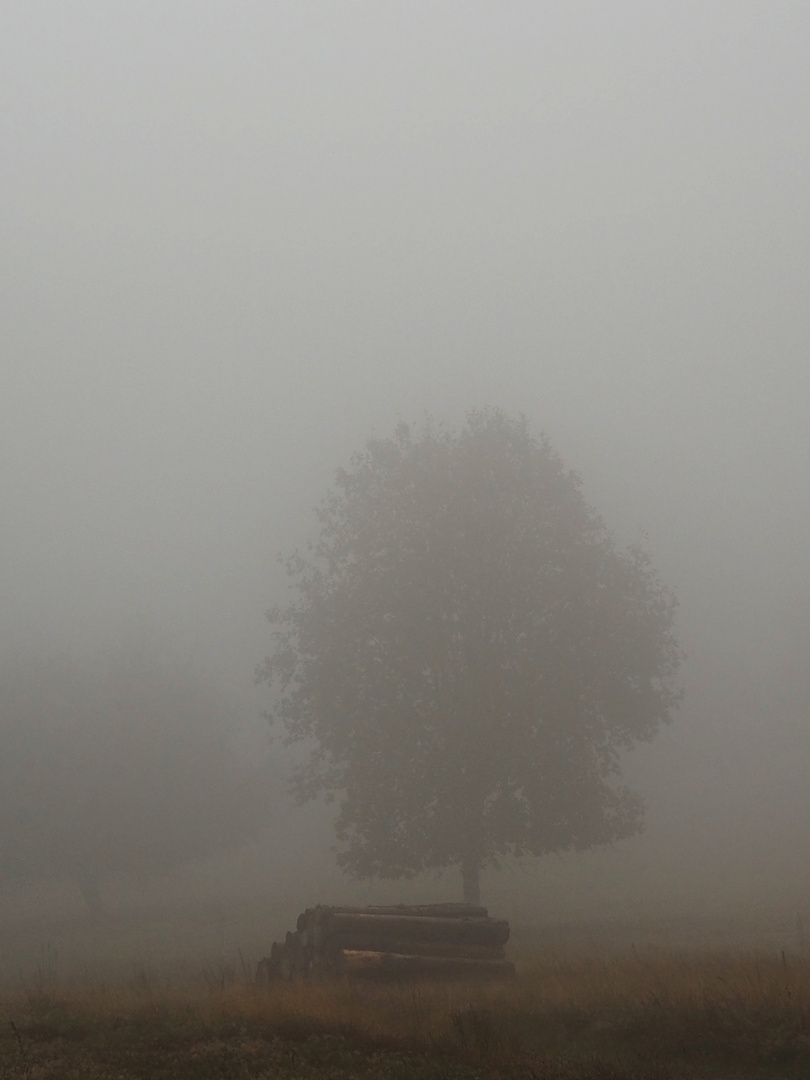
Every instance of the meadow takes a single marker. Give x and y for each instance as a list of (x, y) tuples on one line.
[(581, 1009)]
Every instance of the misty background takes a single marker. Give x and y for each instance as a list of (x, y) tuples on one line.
[(240, 238)]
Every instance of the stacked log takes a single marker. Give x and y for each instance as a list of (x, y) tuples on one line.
[(450, 941)]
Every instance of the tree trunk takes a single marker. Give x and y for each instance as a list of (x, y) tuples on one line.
[(470, 877)]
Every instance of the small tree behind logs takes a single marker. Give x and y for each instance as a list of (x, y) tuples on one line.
[(450, 941)]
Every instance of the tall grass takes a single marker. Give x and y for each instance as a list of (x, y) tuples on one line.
[(641, 1013)]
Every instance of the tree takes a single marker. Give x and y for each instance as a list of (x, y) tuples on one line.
[(121, 767), (467, 654)]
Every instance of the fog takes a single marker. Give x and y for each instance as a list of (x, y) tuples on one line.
[(241, 238)]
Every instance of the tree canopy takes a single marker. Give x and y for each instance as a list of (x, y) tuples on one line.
[(467, 653)]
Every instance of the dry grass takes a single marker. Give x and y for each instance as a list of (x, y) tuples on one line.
[(636, 1016)]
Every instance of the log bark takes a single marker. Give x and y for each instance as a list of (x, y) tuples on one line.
[(477, 931), (456, 941), (439, 911), (401, 966), (376, 943)]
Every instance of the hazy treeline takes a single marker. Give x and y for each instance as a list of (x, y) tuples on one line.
[(128, 764), (134, 763)]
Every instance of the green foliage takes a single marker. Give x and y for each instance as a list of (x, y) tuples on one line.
[(469, 653)]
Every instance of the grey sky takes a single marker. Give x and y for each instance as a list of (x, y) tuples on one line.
[(240, 237)]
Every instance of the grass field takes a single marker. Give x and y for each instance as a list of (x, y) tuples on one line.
[(635, 1014)]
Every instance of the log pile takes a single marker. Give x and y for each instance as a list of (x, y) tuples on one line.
[(450, 941)]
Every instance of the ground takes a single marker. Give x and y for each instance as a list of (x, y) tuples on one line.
[(160, 994), (635, 1015)]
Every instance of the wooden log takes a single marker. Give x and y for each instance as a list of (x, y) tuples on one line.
[(306, 926), (374, 943), (382, 965), (314, 922), (427, 940), (439, 911), (474, 931)]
